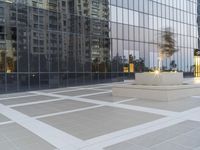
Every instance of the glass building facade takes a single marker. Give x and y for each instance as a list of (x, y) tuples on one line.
[(59, 43)]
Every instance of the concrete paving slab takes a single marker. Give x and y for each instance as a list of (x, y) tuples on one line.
[(178, 105), (126, 146), (182, 136), (105, 88), (3, 118), (15, 137), (26, 99), (51, 107), (169, 146), (106, 97), (78, 92), (99, 121), (191, 139), (15, 95)]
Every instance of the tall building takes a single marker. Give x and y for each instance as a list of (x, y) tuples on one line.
[(58, 43), (90, 20)]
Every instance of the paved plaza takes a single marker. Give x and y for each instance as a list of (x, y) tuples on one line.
[(90, 118)]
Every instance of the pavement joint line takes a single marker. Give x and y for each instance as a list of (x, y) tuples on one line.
[(85, 86), (130, 133), (103, 85), (105, 92), (107, 85), (196, 96), (182, 134), (193, 114), (122, 106), (126, 100), (194, 119), (15, 97), (145, 109), (6, 122), (102, 143), (52, 135), (78, 89), (183, 116), (56, 89), (118, 135), (37, 102), (67, 112)]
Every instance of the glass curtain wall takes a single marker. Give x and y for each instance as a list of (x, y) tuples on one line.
[(136, 27), (59, 43)]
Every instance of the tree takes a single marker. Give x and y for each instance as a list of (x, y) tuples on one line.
[(167, 45)]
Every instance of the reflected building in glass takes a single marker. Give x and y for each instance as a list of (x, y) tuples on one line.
[(59, 43)]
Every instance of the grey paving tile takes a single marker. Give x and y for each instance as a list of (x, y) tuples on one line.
[(32, 143), (26, 99), (169, 146), (178, 105), (7, 146), (191, 139), (19, 138), (106, 97), (3, 118), (105, 88), (79, 92), (2, 138), (15, 94), (59, 89), (92, 86), (165, 134), (190, 124), (125, 146), (99, 121), (51, 107), (170, 138)]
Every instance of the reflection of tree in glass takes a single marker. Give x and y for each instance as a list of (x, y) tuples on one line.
[(95, 65), (10, 64), (100, 66), (167, 45), (131, 58), (118, 63), (2, 61), (173, 65), (139, 65)]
